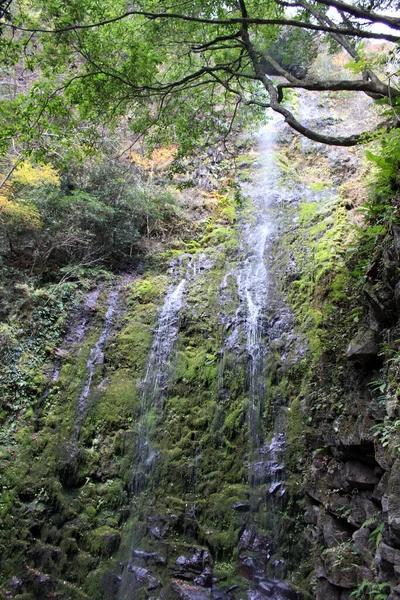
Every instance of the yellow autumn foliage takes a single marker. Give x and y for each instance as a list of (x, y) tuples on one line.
[(19, 212), (158, 160), (33, 176)]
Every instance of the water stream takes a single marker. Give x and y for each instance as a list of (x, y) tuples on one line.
[(266, 459), (96, 356), (153, 392)]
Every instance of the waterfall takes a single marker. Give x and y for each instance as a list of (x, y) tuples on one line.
[(266, 460), (156, 379), (154, 388), (96, 356)]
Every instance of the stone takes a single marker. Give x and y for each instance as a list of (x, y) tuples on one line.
[(241, 506), (364, 347), (190, 592), (311, 514), (195, 568), (333, 531), (396, 239), (140, 573), (327, 591), (247, 567), (359, 475), (16, 585), (386, 559), (384, 459), (340, 567), (394, 501), (255, 542), (382, 487), (361, 539), (149, 557), (153, 583), (380, 297)]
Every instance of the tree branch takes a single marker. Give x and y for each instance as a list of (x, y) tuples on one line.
[(232, 21), (360, 13)]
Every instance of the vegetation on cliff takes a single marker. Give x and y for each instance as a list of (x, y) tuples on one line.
[(99, 226)]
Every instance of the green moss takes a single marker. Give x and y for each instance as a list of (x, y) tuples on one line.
[(103, 541)]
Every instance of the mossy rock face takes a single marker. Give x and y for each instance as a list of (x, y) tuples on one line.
[(103, 541), (76, 511)]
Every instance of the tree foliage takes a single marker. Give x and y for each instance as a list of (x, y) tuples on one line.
[(176, 71), (91, 213)]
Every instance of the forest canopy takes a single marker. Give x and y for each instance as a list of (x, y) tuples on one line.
[(72, 69)]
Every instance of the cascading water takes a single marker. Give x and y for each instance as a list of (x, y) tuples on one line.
[(96, 356), (154, 388), (252, 278), (265, 465), (246, 302), (156, 379)]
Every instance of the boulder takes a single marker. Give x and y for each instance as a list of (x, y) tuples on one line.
[(190, 592), (358, 475), (364, 347), (394, 502), (387, 559), (241, 506), (361, 539), (327, 591), (340, 567), (333, 531)]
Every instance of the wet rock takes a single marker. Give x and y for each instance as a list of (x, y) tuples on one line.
[(140, 573), (364, 347), (153, 583), (265, 588), (247, 567), (251, 541), (205, 579), (276, 487), (286, 592), (195, 568), (190, 592), (149, 557), (158, 532), (241, 506), (15, 585)]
